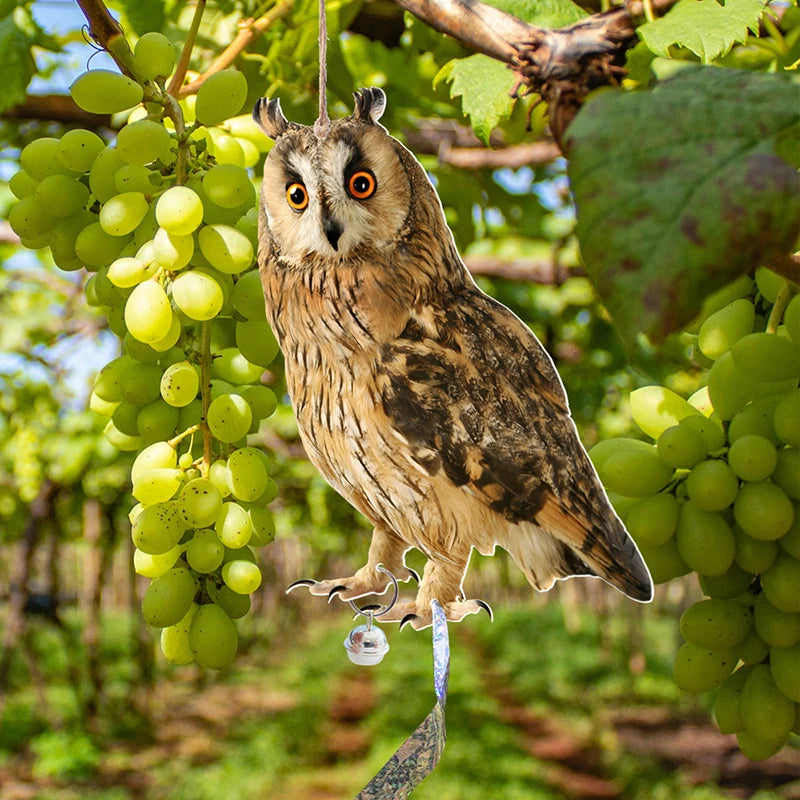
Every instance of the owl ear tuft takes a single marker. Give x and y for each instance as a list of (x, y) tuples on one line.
[(267, 113), (370, 104)]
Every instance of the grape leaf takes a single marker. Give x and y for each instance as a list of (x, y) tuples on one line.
[(144, 15), (704, 26), (678, 191), (16, 63), (543, 13)]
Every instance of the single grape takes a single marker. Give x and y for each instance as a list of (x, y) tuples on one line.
[(124, 418), (227, 150), (241, 576), (142, 141), (226, 248), (102, 407), (218, 475), (136, 178), (728, 704), (155, 55), (29, 220), (108, 382), (729, 585), (78, 148), (229, 417), (179, 210), (781, 583), (763, 510), (716, 624), (766, 711), (247, 475), (169, 598), (709, 429), (235, 605), (158, 528), (233, 367), (255, 340), (148, 314), (197, 295), (172, 252), (752, 649), (127, 271), (698, 669), (729, 387), (681, 447), (180, 384), (705, 540), (787, 472), (765, 357), (140, 383), (200, 503), (151, 566), (786, 420), (175, 639), (220, 96), (712, 485), (755, 419), (95, 247), (205, 552), (228, 186), (269, 494), (753, 555), (664, 561), (102, 91), (157, 485), (61, 195), (777, 628), (171, 337), (39, 158), (784, 663), (233, 526), (725, 327), (791, 319), (22, 184), (248, 296), (160, 455), (213, 637), (262, 523), (656, 408), (157, 421), (752, 457), (121, 214), (769, 283)]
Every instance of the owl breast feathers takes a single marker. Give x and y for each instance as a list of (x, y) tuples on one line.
[(425, 403)]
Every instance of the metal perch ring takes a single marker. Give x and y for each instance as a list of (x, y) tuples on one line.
[(377, 611)]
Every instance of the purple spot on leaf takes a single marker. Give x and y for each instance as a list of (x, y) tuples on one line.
[(691, 230)]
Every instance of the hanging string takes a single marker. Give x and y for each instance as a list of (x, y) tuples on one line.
[(323, 123)]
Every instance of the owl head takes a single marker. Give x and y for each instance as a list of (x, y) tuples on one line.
[(351, 194)]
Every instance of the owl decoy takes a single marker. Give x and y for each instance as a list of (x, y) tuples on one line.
[(428, 405)]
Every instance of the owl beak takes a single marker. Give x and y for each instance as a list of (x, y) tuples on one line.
[(333, 231)]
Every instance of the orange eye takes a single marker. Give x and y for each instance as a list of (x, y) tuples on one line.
[(362, 184), (297, 196)]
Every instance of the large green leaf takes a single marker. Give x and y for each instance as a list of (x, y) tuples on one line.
[(144, 15), (16, 63), (704, 26), (543, 13), (681, 188)]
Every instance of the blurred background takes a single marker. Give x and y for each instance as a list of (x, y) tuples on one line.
[(564, 695)]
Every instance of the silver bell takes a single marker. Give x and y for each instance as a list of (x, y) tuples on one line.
[(366, 645)]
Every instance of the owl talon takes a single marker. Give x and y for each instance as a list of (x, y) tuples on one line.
[(413, 575), (408, 618), (336, 589), (302, 582), (486, 607)]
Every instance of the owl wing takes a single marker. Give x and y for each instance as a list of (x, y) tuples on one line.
[(478, 398)]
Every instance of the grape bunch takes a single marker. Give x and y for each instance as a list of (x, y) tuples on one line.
[(164, 221), (717, 492)]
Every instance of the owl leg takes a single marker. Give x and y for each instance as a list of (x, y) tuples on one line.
[(387, 549), (441, 581)]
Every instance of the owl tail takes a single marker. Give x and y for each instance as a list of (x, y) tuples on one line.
[(563, 544)]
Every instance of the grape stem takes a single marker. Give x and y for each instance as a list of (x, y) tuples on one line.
[(186, 53), (205, 394), (176, 440), (776, 315)]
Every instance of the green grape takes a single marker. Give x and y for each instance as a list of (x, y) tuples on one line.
[(22, 184), (728, 704), (712, 485), (185, 460), (120, 440), (151, 566), (102, 91), (124, 418), (157, 421), (791, 318), (709, 429), (234, 368), (160, 455), (755, 419), (621, 504), (155, 56), (190, 415), (205, 552), (716, 624), (121, 214), (248, 296), (790, 541), (681, 447), (218, 475), (29, 220), (255, 340), (705, 540), (781, 583), (95, 247), (729, 387), (140, 385), (136, 178), (664, 561), (220, 96), (246, 474), (61, 195), (127, 271), (39, 158), (108, 383), (753, 555), (169, 598), (766, 711), (768, 283), (241, 576), (157, 485), (777, 628), (100, 406), (180, 384), (786, 420), (729, 585), (752, 649), (148, 314), (197, 295), (763, 510), (752, 457), (228, 186), (179, 210), (175, 639), (235, 605), (172, 251), (233, 526), (787, 472), (766, 357), (698, 669), (219, 388), (262, 523), (636, 472), (103, 173), (213, 637), (244, 127), (142, 141), (655, 408), (227, 150), (225, 248), (229, 417), (262, 402), (725, 327), (78, 148), (158, 528), (241, 553), (170, 339), (756, 748), (248, 225), (200, 503), (784, 663), (269, 494)]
